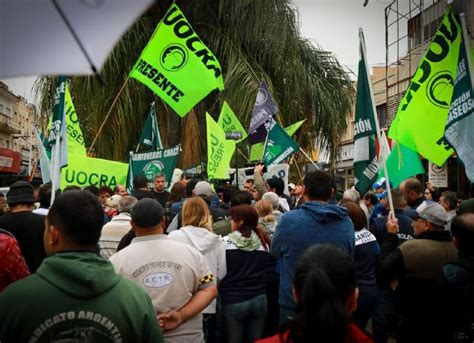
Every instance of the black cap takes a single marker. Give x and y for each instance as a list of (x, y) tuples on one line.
[(21, 192), (147, 213)]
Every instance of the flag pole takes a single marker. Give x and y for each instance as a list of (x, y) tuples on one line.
[(56, 161), (466, 46), (309, 159), (384, 153)]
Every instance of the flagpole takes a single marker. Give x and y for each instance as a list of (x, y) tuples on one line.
[(309, 159), (466, 46), (56, 161), (377, 126)]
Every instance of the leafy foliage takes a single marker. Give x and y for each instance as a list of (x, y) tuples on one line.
[(252, 40)]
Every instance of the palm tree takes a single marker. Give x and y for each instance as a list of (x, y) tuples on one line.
[(252, 40)]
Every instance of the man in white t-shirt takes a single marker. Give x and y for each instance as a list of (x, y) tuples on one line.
[(175, 275)]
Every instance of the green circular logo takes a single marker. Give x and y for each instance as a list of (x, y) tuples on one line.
[(173, 57), (439, 89)]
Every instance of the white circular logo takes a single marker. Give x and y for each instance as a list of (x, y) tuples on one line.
[(158, 280)]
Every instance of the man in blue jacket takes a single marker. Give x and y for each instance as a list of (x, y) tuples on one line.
[(312, 223)]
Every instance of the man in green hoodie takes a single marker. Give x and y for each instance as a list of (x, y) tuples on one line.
[(75, 294)]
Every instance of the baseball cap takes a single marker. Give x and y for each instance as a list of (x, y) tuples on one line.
[(291, 186), (147, 213), (432, 212), (203, 188), (379, 183), (21, 192)]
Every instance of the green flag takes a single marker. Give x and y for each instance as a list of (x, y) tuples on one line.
[(366, 166), (280, 145), (291, 129), (229, 121), (75, 139), (57, 139), (150, 136), (427, 100), (84, 171), (151, 163), (402, 163), (219, 150), (256, 150), (177, 65)]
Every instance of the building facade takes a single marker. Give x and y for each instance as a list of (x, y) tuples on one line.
[(17, 146)]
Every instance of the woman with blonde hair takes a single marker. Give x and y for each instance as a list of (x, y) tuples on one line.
[(197, 232), (265, 216)]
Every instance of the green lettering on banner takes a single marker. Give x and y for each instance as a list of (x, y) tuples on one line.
[(219, 150), (177, 65), (84, 171)]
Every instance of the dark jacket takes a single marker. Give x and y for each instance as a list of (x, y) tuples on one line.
[(77, 295), (378, 229), (415, 265), (28, 229), (456, 282)]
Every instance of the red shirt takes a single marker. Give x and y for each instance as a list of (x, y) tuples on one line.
[(12, 263), (353, 335)]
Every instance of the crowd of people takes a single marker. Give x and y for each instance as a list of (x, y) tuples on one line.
[(204, 263)]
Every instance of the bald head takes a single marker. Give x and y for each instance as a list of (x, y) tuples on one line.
[(462, 228)]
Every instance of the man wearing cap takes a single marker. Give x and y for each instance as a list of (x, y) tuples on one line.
[(26, 226), (412, 268), (175, 275)]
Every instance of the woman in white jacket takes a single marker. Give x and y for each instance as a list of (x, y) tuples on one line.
[(197, 232)]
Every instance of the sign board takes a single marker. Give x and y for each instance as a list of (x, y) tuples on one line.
[(9, 161), (438, 176)]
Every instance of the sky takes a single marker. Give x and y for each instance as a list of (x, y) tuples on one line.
[(333, 25)]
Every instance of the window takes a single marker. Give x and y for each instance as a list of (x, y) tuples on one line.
[(382, 114), (1, 108), (8, 111), (7, 145)]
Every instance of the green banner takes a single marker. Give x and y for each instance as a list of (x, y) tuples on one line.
[(280, 146), (150, 136), (83, 171), (151, 163), (366, 166), (219, 150), (427, 100), (402, 163), (229, 121), (177, 65)]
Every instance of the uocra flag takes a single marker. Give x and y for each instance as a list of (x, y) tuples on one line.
[(428, 97), (365, 159), (177, 65), (460, 123), (263, 111)]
